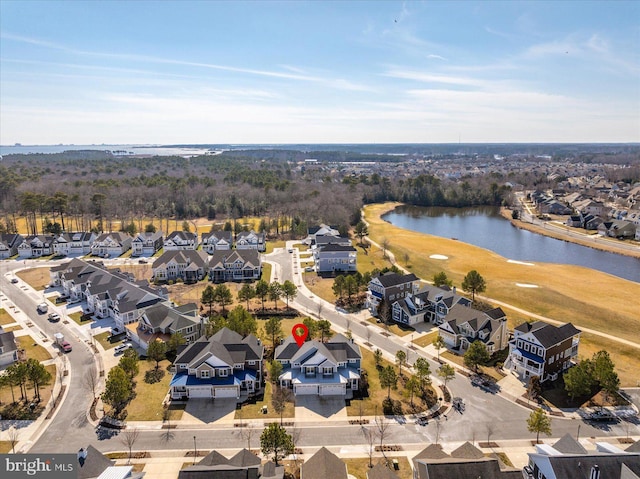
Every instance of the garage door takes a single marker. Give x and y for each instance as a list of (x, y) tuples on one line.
[(225, 392), (332, 390), (200, 392), (305, 389)]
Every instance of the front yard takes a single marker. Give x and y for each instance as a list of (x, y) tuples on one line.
[(20, 409), (147, 405), (5, 318), (254, 411), (358, 467), (32, 349), (37, 278)]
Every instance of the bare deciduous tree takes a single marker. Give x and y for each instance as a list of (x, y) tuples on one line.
[(128, 439), (370, 436), (382, 431), (91, 381), (14, 435)]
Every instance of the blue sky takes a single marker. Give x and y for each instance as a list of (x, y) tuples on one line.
[(320, 72)]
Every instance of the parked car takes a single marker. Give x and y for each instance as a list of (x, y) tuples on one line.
[(142, 261), (122, 348), (42, 308), (14, 280), (54, 317)]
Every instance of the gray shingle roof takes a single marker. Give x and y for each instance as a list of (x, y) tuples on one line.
[(568, 445), (394, 279), (324, 465), (547, 334)]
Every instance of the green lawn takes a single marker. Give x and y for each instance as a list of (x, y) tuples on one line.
[(373, 404), (358, 467), (266, 272), (147, 405), (427, 339), (254, 411), (271, 245), (33, 350), (102, 338), (5, 318), (77, 317)]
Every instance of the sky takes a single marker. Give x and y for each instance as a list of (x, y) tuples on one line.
[(143, 72)]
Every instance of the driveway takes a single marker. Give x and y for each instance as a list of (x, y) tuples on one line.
[(315, 408), (207, 411)]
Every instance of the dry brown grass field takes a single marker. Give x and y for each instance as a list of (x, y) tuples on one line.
[(580, 295)]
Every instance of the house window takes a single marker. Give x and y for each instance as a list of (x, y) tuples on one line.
[(223, 373), (310, 370), (252, 363), (327, 371), (183, 366), (204, 374), (550, 359)]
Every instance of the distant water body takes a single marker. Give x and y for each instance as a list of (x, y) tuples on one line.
[(133, 149), (484, 227)]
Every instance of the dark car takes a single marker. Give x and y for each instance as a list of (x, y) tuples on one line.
[(602, 415), (14, 280)]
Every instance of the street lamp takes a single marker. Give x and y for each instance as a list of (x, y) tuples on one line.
[(195, 450)]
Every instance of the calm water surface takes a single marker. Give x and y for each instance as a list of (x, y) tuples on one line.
[(484, 227)]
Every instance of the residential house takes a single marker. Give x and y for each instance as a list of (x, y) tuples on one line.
[(235, 265), (92, 464), (108, 293), (251, 240), (8, 348), (320, 230), (465, 462), (244, 465), (162, 320), (567, 458), (181, 240), (217, 241), (428, 304), (542, 349), (590, 222), (389, 287), (74, 244), (9, 244), (224, 366), (111, 245), (335, 258), (324, 465), (323, 369), (590, 207), (464, 325), (147, 243), (35, 246), (188, 265), (381, 471), (575, 221), (553, 207), (617, 229)]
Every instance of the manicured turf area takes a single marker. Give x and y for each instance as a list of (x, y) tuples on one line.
[(33, 350), (37, 278), (77, 317), (147, 405), (565, 292), (358, 467), (102, 338), (372, 405), (427, 339), (254, 411), (5, 318)]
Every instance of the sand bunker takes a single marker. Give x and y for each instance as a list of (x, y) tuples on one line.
[(438, 256), (519, 262), (525, 285)]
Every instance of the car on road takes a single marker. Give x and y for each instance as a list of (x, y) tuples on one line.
[(42, 308), (122, 348), (54, 317), (66, 347), (14, 280), (602, 415), (142, 261)]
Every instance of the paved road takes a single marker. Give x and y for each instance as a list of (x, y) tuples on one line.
[(485, 415), (71, 414)]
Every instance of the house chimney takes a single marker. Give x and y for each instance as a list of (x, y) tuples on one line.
[(454, 290), (595, 472)]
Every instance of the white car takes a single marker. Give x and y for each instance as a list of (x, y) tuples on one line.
[(122, 348)]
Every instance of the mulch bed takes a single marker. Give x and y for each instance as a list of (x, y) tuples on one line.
[(359, 421), (199, 453), (388, 448), (57, 401)]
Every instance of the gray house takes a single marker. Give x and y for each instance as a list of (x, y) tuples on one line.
[(9, 245)]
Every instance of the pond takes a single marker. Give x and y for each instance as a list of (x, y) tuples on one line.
[(484, 227)]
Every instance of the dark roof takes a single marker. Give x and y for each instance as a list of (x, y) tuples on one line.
[(380, 471), (432, 451), (467, 451), (486, 468), (568, 445), (93, 463), (394, 279), (547, 334), (579, 466), (7, 341), (214, 458), (495, 313), (335, 247), (245, 458), (324, 465), (635, 447)]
